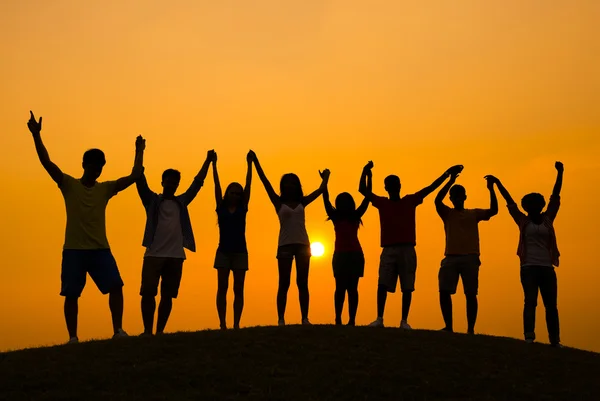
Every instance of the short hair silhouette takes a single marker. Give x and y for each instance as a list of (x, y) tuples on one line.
[(457, 190), (94, 156), (392, 183), (171, 173)]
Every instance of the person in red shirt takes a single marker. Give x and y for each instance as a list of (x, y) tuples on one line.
[(398, 238), (348, 258)]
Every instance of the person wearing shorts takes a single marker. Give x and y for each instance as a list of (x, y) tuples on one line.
[(462, 249), (232, 253), (398, 259), (293, 243), (167, 234), (86, 249)]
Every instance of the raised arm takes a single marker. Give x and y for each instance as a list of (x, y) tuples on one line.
[(439, 181), (559, 178), (189, 195), (268, 187), (308, 199), (440, 207), (35, 127), (554, 203), (144, 190), (487, 214), (218, 191), (327, 203), (138, 166), (247, 186), (365, 186), (513, 209)]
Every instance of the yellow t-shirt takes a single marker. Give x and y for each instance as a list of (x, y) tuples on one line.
[(86, 213), (462, 231)]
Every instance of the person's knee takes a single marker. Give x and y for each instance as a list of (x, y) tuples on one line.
[(471, 296), (238, 291), (71, 300)]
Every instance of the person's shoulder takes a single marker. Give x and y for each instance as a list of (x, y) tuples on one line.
[(413, 198)]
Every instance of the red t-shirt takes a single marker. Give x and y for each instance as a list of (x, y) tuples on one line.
[(346, 236), (397, 219)]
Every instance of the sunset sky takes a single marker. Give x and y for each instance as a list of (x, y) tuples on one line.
[(505, 88)]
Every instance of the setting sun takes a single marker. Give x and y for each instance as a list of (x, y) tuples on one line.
[(317, 249)]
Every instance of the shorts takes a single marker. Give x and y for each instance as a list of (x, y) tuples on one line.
[(167, 271), (348, 264), (398, 261), (292, 251), (465, 266), (98, 263), (231, 261)]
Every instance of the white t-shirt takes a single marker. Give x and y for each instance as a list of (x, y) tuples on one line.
[(168, 239), (537, 238)]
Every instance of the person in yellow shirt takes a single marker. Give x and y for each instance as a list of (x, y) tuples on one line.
[(86, 249), (462, 248)]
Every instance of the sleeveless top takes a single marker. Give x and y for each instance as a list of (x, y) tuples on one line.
[(292, 225), (232, 229)]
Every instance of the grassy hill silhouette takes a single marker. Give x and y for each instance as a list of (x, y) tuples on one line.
[(302, 363)]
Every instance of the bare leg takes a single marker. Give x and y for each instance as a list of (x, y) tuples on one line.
[(222, 286), (71, 310), (472, 307), (115, 303), (446, 306), (285, 272), (238, 292), (164, 311), (148, 309), (302, 268)]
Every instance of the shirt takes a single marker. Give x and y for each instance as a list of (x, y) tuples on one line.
[(397, 219), (462, 231), (168, 238), (86, 213), (232, 229), (152, 202), (537, 238), (346, 236), (547, 219)]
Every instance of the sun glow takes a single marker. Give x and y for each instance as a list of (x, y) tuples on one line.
[(317, 249)]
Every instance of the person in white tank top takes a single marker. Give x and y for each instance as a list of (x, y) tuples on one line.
[(293, 238), (539, 255)]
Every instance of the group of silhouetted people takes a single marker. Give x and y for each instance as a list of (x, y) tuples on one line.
[(168, 232)]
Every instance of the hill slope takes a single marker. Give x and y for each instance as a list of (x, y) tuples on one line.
[(302, 363)]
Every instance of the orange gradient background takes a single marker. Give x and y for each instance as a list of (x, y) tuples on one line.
[(504, 88)]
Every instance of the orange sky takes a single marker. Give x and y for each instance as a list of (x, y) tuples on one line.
[(504, 88)]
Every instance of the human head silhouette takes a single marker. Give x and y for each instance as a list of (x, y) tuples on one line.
[(170, 182), (533, 203), (392, 185), (93, 163), (233, 195), (290, 188), (458, 195)]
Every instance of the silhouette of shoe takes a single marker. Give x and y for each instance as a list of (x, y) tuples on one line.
[(306, 322), (529, 340), (73, 340), (377, 323), (281, 322), (120, 334), (404, 325)]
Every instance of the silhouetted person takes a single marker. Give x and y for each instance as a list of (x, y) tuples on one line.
[(348, 258), (86, 249), (232, 253), (293, 238), (398, 239), (462, 249), (167, 232), (538, 253)]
